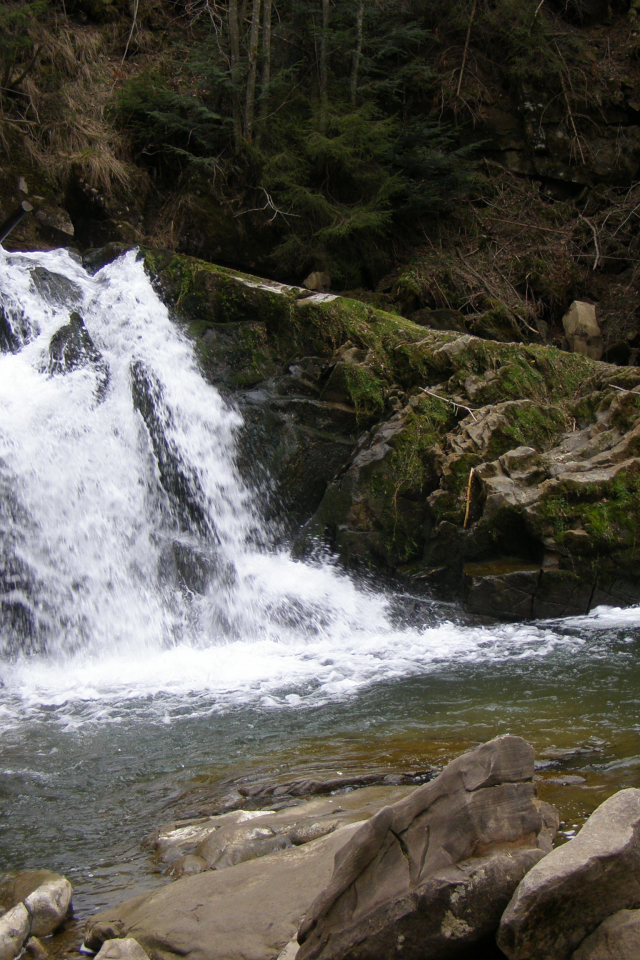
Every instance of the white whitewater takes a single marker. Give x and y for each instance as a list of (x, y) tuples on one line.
[(86, 528)]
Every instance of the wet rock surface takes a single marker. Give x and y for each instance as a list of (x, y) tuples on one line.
[(72, 348), (217, 842), (251, 909), (478, 827), (181, 488)]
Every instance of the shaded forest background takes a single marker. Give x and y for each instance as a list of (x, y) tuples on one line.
[(472, 164)]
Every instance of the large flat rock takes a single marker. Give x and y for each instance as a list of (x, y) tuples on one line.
[(246, 912), (566, 896)]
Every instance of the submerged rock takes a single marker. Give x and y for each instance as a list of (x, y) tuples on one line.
[(433, 873), (221, 841), (71, 348), (563, 899)]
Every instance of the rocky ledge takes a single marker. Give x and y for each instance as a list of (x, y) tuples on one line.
[(461, 866), (505, 473)]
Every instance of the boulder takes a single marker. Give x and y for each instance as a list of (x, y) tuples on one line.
[(14, 931), (100, 932), (122, 949), (18, 886), (48, 906), (617, 938), (582, 330), (55, 288), (433, 872), (563, 899), (182, 489), (318, 281)]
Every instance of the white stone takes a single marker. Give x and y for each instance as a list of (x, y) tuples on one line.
[(48, 906), (14, 930)]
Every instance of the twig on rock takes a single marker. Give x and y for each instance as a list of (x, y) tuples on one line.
[(454, 403)]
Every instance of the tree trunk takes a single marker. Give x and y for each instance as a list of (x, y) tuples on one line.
[(357, 55), (324, 69), (254, 36), (266, 60), (234, 45)]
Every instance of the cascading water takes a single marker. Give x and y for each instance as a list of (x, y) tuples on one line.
[(139, 590)]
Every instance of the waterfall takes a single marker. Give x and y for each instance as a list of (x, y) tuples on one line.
[(132, 558)]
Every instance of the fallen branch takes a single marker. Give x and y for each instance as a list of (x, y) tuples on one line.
[(598, 258), (133, 26), (624, 389), (269, 205), (454, 403)]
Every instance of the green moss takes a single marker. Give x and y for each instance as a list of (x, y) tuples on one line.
[(626, 411), (409, 474), (609, 513), (530, 425), (449, 506), (497, 322), (367, 391), (459, 468)]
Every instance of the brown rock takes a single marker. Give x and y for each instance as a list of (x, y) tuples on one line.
[(121, 949), (582, 330)]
